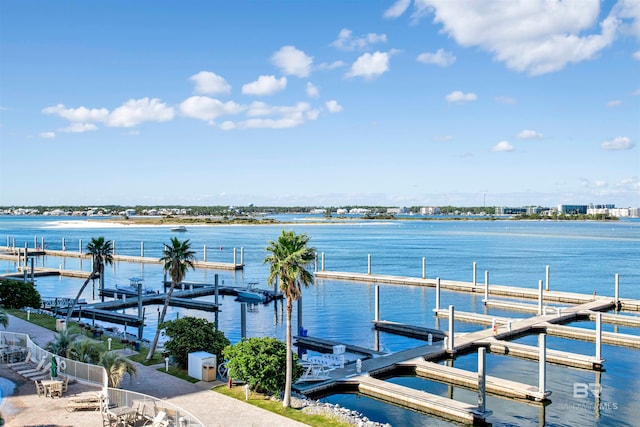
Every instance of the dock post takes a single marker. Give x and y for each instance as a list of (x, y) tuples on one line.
[(300, 315), (546, 276), (437, 295), (322, 261), (234, 256), (114, 248), (424, 267), (242, 255), (26, 254), (616, 298), (243, 320), (369, 264), (482, 380), (32, 272), (140, 314), (598, 336), (542, 365), (204, 252), (430, 339), (215, 288), (451, 328), (475, 269), (539, 297), (41, 243), (64, 246), (377, 303), (142, 249), (486, 287)]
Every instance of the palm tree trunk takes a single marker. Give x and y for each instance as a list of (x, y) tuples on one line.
[(286, 400), (75, 301), (154, 344)]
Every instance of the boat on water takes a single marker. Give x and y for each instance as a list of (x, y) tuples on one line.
[(179, 229), (132, 287), (252, 294)]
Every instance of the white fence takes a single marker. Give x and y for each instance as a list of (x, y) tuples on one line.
[(97, 376)]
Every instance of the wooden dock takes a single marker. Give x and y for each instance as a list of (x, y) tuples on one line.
[(418, 400), (555, 357), (458, 286), (12, 254), (469, 380), (412, 331), (326, 346)]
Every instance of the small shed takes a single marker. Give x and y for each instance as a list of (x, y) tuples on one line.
[(196, 362)]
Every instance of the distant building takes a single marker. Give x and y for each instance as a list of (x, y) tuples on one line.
[(430, 210), (341, 211), (504, 210), (318, 211), (572, 209), (397, 211)]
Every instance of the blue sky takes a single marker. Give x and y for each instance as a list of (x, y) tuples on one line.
[(324, 103)]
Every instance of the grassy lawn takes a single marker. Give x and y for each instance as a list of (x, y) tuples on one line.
[(275, 406)]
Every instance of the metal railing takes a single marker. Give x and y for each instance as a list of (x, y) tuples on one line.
[(84, 372), (95, 375), (150, 406)]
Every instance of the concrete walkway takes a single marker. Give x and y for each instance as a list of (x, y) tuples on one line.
[(212, 408)]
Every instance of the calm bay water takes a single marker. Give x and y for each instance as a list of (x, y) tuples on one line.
[(583, 257)]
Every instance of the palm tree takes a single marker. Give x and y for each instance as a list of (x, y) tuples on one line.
[(117, 366), (102, 253), (85, 350), (289, 256), (62, 342), (177, 258), (4, 319)]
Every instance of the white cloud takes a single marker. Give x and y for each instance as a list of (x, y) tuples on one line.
[(370, 65), (205, 108), (79, 128), (136, 111), (312, 90), (506, 100), (346, 41), (80, 114), (265, 85), (502, 146), (333, 106), (209, 83), (529, 134), (460, 97), (264, 116), (331, 65), (614, 103), (532, 36), (441, 58), (397, 9), (292, 61), (47, 135), (636, 92), (636, 55), (618, 143)]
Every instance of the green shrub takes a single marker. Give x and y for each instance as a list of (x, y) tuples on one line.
[(191, 334), (261, 363), (17, 294)]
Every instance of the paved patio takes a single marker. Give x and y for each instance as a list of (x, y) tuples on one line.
[(25, 408)]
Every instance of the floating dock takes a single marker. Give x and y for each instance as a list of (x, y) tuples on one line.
[(326, 346), (469, 380)]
